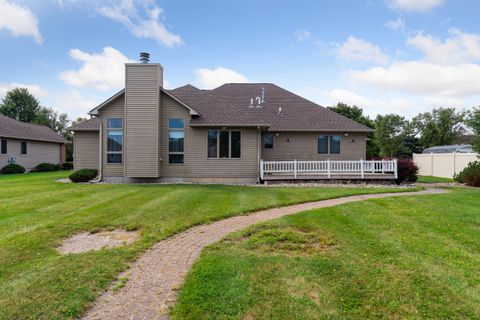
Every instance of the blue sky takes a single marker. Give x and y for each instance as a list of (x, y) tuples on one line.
[(402, 56)]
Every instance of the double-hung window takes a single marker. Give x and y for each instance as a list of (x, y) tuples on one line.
[(224, 144), (4, 147), (329, 144), (176, 141), (114, 140), (23, 147)]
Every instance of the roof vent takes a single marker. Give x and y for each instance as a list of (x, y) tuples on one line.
[(144, 57)]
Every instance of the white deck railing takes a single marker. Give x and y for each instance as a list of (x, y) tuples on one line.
[(328, 168)]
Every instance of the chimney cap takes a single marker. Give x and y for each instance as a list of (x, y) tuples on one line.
[(144, 57)]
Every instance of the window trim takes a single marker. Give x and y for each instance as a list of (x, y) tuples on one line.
[(229, 145), (329, 137), (23, 143), (123, 142), (4, 142), (168, 142)]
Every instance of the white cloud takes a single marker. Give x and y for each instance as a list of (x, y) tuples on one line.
[(19, 20), (145, 24), (302, 35), (34, 89), (436, 102), (459, 48), (420, 77), (73, 103), (355, 49), (212, 78), (372, 106), (396, 25), (102, 71), (414, 5)]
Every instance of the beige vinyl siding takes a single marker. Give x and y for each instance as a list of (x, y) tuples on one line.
[(141, 125), (37, 152), (85, 150), (304, 146), (197, 164), (115, 109)]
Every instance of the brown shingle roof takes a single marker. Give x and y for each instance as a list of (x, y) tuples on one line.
[(92, 124), (229, 105), (10, 128), (282, 110)]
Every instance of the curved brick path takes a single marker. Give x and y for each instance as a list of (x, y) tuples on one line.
[(154, 278)]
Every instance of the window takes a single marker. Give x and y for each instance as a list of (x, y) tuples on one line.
[(4, 147), (176, 141), (224, 144), (212, 144), (335, 144), (23, 147), (329, 144), (114, 140), (268, 140)]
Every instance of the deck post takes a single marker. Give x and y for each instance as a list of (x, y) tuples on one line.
[(295, 168), (328, 168), (383, 166), (362, 168), (261, 169), (396, 168)]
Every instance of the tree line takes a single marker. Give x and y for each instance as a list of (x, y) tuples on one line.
[(394, 135)]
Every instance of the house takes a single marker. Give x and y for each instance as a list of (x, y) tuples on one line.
[(29, 144), (238, 132)]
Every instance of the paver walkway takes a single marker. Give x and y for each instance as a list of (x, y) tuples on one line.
[(153, 279)]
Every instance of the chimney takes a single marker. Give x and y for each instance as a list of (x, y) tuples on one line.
[(142, 118)]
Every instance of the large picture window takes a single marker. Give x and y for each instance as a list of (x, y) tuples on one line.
[(176, 141), (329, 144), (114, 140), (224, 144)]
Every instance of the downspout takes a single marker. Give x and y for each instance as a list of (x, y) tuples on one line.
[(100, 166), (259, 139)]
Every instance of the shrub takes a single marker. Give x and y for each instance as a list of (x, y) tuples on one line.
[(83, 175), (470, 175), (407, 171), (46, 167), (13, 168), (67, 166)]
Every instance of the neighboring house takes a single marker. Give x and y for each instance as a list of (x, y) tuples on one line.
[(29, 144), (234, 133)]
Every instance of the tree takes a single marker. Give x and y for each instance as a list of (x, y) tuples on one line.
[(473, 121), (21, 105), (442, 126), (356, 113), (391, 130), (52, 119)]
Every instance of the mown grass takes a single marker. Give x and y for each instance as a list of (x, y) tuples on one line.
[(432, 179), (412, 257), (37, 214)]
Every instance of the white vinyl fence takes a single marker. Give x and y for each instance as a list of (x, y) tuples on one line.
[(443, 164)]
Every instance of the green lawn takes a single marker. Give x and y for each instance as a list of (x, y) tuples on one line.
[(37, 213), (432, 179), (412, 257)]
